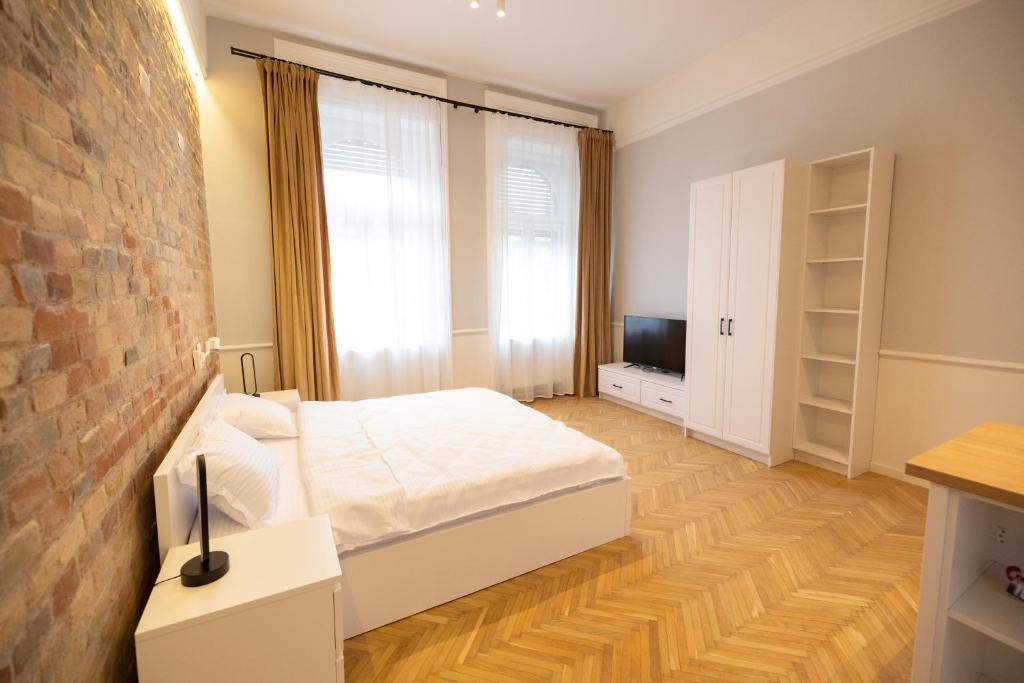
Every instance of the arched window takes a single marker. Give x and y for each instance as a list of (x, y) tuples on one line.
[(529, 193)]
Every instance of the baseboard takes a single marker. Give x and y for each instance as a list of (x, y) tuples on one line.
[(727, 446), (897, 473)]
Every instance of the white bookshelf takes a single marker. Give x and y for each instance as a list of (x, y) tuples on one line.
[(842, 283)]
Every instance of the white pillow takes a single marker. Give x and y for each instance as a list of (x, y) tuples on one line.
[(258, 417), (241, 473)]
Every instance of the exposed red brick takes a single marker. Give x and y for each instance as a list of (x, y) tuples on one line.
[(39, 248), (59, 286), (56, 322), (79, 379), (104, 463), (63, 352), (102, 235), (54, 513), (15, 203), (87, 347), (64, 590), (27, 494), (10, 247), (62, 469), (100, 369)]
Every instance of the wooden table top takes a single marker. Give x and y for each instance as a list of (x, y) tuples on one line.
[(987, 461)]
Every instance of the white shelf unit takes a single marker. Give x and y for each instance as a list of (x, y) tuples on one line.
[(843, 278), (975, 629)]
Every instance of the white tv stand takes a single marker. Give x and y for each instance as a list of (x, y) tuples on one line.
[(657, 393)]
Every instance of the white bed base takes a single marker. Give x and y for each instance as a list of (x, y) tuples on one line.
[(395, 579)]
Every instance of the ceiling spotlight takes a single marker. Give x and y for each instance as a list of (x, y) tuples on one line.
[(475, 4), (501, 8)]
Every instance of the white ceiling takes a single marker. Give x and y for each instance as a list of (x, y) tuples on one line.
[(591, 52)]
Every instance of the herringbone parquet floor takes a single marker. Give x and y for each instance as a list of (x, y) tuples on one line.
[(733, 572)]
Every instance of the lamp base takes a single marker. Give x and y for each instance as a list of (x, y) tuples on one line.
[(194, 574)]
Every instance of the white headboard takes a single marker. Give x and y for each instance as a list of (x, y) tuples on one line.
[(176, 503)]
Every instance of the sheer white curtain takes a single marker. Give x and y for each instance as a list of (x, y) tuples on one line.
[(385, 187), (533, 208)]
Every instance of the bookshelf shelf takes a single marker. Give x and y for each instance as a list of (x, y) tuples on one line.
[(840, 358), (822, 451), (840, 210), (837, 405)]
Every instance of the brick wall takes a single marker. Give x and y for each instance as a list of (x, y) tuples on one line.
[(104, 286)]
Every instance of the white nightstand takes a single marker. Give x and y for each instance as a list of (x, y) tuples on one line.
[(275, 616), (287, 397)]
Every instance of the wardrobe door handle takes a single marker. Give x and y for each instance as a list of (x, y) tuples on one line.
[(730, 327), (721, 323)]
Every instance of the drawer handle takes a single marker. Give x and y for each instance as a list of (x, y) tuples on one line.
[(617, 386), (664, 400)]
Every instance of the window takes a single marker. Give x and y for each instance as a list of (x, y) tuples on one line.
[(385, 193), (533, 202)]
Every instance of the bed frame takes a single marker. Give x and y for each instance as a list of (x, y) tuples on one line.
[(392, 580)]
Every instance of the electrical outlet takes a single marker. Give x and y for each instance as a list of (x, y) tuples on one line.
[(1000, 534)]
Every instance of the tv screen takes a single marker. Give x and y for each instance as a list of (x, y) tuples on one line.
[(655, 342)]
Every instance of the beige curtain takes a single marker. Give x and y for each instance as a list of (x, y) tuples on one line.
[(593, 317), (305, 357)]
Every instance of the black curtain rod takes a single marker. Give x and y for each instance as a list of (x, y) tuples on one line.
[(477, 108)]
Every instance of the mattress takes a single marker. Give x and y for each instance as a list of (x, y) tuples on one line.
[(291, 494), (382, 469)]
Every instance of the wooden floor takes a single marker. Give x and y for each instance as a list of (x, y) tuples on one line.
[(732, 572)]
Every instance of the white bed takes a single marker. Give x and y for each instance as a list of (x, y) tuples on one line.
[(419, 516)]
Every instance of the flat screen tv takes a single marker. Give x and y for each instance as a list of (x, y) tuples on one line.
[(654, 342)]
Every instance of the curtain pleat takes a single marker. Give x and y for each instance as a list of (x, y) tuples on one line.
[(305, 357), (593, 315)]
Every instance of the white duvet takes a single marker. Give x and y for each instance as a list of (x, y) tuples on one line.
[(385, 467)]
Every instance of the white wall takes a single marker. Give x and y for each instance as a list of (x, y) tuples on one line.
[(807, 37), (234, 151), (948, 98), (238, 205), (925, 401)]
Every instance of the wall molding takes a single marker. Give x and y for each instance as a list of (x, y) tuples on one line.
[(952, 360), (522, 105), (361, 68), (624, 137), (896, 473), (465, 332), (246, 347)]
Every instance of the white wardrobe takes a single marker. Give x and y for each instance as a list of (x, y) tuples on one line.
[(746, 251)]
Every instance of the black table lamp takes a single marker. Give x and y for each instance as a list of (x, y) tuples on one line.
[(206, 567)]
